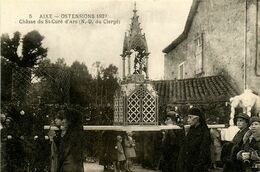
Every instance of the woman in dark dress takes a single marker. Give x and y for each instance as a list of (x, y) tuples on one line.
[(70, 158), (195, 151)]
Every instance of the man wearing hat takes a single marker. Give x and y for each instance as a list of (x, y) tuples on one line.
[(195, 150), (230, 149)]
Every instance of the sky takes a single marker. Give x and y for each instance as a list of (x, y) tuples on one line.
[(162, 21)]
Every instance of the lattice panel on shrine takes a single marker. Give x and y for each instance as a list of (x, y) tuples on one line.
[(118, 109), (136, 104), (133, 108), (121, 109), (149, 108), (141, 107)]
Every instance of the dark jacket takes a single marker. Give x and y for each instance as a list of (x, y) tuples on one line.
[(195, 151), (71, 152), (230, 150), (250, 144), (238, 138), (108, 153), (170, 150)]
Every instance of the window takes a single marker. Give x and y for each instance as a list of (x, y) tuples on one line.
[(198, 41), (181, 71)]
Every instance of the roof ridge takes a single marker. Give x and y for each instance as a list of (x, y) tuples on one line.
[(186, 79), (187, 27)]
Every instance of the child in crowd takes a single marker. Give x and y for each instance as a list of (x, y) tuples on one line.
[(129, 149), (120, 154)]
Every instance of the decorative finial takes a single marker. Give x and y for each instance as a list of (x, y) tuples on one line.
[(135, 8)]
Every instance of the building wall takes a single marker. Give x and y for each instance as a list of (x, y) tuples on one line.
[(173, 59), (222, 25), (253, 45)]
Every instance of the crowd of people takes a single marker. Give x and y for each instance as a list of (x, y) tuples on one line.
[(242, 153), (118, 151), (67, 152), (195, 148), (199, 148), (188, 149)]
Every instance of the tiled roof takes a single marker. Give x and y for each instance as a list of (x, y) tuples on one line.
[(194, 90)]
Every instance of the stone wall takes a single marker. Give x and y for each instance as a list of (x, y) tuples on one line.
[(222, 24), (173, 59)]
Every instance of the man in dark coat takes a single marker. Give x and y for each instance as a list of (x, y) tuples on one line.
[(70, 157), (108, 153), (195, 151), (171, 144)]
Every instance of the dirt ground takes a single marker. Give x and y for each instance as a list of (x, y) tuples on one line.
[(94, 167)]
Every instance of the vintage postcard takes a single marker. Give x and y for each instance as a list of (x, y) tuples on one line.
[(124, 85)]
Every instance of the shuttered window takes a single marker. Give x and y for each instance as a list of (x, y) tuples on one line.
[(181, 71)]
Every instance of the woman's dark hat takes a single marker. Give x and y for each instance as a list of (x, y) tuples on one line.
[(172, 114), (60, 114), (243, 116), (254, 119), (195, 111)]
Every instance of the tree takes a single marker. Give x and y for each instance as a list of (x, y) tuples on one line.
[(55, 81), (81, 84), (31, 52), (6, 80), (109, 83), (23, 58), (97, 81)]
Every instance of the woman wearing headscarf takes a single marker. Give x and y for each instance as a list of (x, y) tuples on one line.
[(195, 151), (70, 158)]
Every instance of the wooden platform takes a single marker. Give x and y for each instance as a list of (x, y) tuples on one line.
[(133, 127)]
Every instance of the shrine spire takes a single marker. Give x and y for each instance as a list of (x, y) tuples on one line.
[(135, 47), (135, 25), (135, 8), (134, 39)]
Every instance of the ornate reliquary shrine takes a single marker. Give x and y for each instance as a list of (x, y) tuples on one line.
[(136, 103)]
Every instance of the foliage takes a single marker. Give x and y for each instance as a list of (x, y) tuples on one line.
[(31, 51), (54, 81), (109, 82), (81, 84), (6, 80), (74, 84), (22, 54)]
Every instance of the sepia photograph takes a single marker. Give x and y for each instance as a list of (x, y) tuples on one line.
[(130, 86)]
